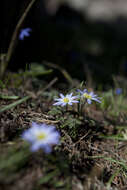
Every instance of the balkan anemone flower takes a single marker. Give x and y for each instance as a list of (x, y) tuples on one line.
[(41, 136), (24, 33), (66, 100), (89, 96)]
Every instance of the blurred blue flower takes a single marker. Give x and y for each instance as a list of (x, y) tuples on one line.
[(41, 136), (118, 91), (24, 33)]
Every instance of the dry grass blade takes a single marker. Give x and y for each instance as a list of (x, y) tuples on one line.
[(12, 105)]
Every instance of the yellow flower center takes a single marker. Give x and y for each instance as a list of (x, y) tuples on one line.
[(66, 100), (86, 95), (41, 136)]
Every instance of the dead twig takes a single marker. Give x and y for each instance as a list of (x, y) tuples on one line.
[(47, 121), (48, 86), (63, 71)]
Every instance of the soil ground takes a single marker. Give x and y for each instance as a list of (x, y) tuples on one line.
[(84, 160)]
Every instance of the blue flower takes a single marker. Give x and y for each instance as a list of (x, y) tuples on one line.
[(24, 33), (41, 136), (64, 100), (89, 96), (118, 91)]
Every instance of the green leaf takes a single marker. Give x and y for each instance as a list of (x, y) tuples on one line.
[(2, 96), (48, 177)]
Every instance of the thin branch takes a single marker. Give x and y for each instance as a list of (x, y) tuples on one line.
[(63, 71)]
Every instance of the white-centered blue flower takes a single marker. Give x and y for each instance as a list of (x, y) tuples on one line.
[(24, 33), (66, 100), (89, 96), (41, 136)]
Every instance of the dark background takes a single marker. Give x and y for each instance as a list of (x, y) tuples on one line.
[(66, 38)]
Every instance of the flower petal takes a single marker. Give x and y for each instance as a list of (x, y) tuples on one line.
[(89, 101)]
